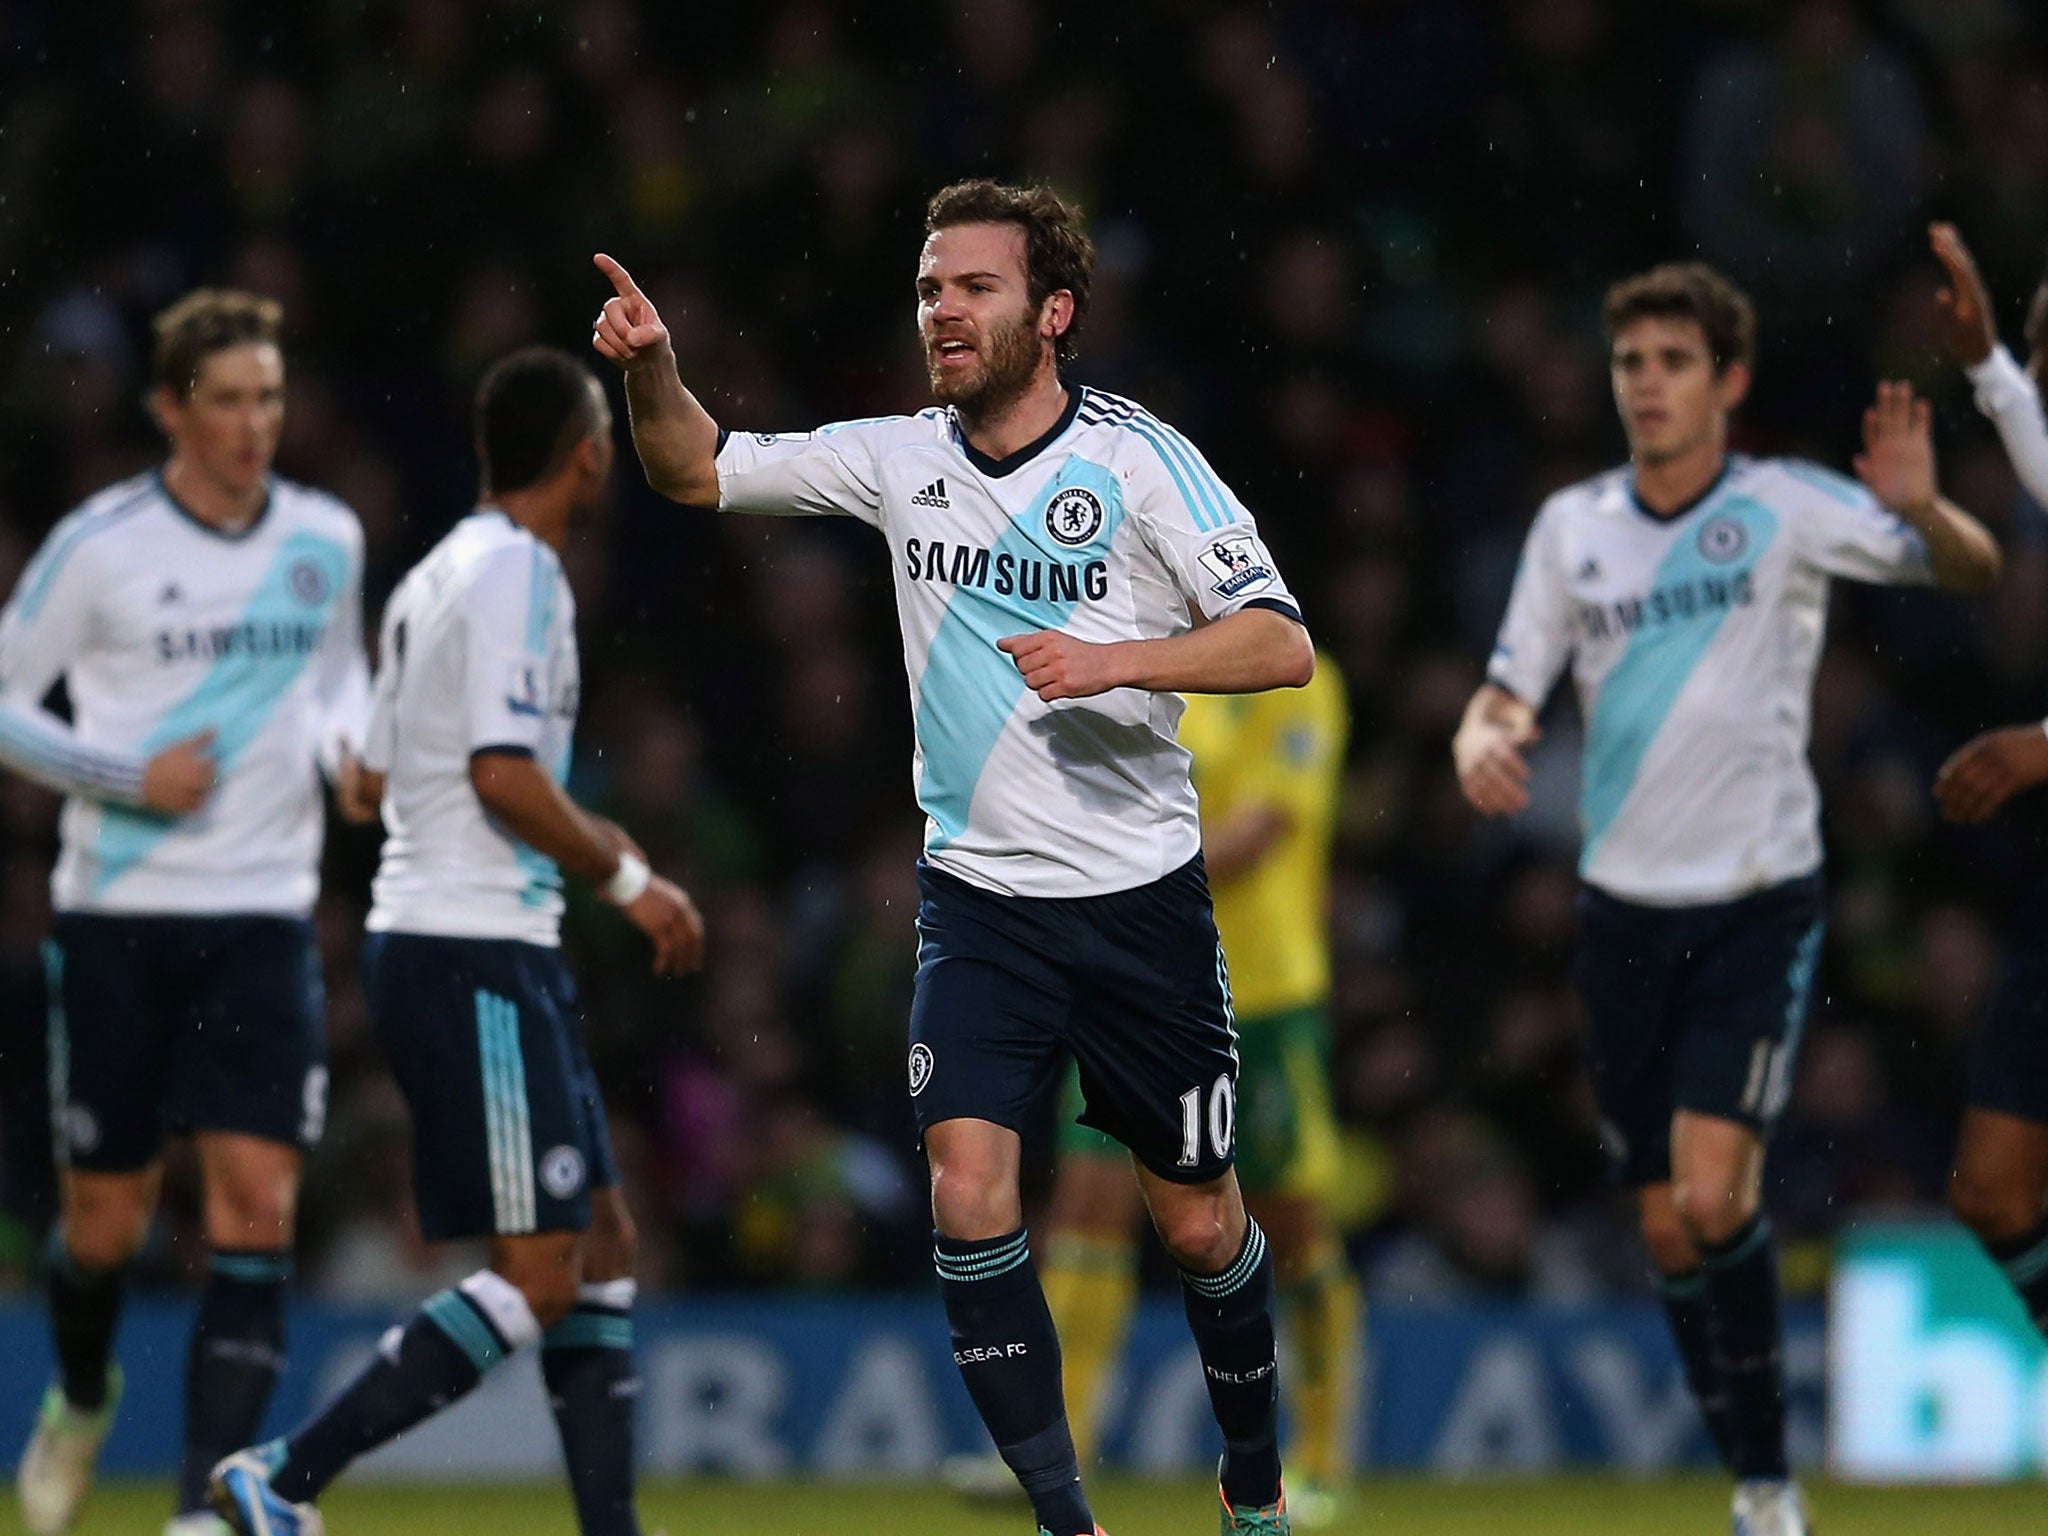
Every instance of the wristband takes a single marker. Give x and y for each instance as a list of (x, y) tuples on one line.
[(629, 881)]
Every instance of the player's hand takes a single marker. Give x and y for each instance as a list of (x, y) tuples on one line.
[(1986, 772), (178, 779), (1492, 771), (1964, 307), (1897, 461), (358, 793), (627, 330), (1057, 666), (665, 913)]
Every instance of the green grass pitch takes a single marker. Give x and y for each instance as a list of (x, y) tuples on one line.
[(1393, 1507)]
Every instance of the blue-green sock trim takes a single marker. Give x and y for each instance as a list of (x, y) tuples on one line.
[(2026, 1268), (1233, 1279), (592, 1329), (253, 1266), (983, 1264), (465, 1328), (1741, 1245), (1689, 1286)]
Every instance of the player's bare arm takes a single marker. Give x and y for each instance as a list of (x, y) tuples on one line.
[(674, 435), (1897, 464), (1492, 772), (537, 811), (1249, 651), (1985, 772), (1964, 307)]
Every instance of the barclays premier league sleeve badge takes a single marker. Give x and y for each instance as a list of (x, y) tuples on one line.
[(1237, 564)]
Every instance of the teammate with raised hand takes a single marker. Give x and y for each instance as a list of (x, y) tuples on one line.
[(1999, 1186), (1065, 565), (206, 619), (469, 742), (1688, 594)]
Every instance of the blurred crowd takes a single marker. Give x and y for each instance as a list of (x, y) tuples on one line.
[(1353, 248)]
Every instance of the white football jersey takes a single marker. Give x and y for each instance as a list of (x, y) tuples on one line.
[(1110, 527), (2006, 393), (478, 652), (1693, 641), (162, 627)]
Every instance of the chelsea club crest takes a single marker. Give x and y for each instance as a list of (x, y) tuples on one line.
[(1074, 516)]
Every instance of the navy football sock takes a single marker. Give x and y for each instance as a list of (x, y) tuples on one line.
[(1742, 1306), (2025, 1262), (1231, 1316), (587, 1360), (85, 1307), (237, 1350), (420, 1368), (1685, 1305), (1009, 1356)]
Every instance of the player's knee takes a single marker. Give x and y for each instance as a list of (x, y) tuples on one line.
[(107, 1241), (972, 1203), (1995, 1211), (1671, 1246), (1198, 1237), (250, 1216), (550, 1293), (1713, 1211)]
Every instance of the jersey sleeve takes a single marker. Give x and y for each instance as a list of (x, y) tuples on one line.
[(830, 472), (344, 678), (507, 622), (1535, 640), (2012, 401), (47, 622), (1208, 540), (1844, 530)]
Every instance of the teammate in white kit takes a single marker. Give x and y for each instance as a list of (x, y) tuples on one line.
[(469, 743), (207, 622), (1999, 1187), (1065, 564), (1688, 594)]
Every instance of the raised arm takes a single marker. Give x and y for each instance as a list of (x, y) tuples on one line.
[(2006, 393), (674, 435), (1897, 464)]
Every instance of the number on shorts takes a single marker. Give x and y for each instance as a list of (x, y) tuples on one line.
[(1222, 1121)]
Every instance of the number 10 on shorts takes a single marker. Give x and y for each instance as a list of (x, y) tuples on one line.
[(1222, 1121)]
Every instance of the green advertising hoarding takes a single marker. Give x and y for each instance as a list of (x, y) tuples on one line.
[(1934, 1370)]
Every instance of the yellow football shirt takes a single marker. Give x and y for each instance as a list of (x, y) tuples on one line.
[(1283, 750)]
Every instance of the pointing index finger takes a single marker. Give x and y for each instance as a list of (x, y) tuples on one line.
[(621, 279)]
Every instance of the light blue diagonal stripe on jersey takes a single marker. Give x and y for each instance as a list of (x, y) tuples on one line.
[(1197, 503), (1637, 694), (1204, 478), (968, 689), (236, 697), (1851, 493), (540, 601)]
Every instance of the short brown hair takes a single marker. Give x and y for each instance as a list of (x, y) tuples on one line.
[(1687, 290), (206, 321), (1057, 251)]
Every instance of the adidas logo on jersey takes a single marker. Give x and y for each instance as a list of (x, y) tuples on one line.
[(933, 495)]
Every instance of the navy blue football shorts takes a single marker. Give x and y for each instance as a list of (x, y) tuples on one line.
[(161, 1025), (1132, 984), (1698, 1008), (509, 1131)]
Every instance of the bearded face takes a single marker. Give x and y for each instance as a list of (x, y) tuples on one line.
[(980, 371), (979, 329)]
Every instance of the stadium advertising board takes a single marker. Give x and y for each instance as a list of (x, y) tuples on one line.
[(863, 1388), (1935, 1371)]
